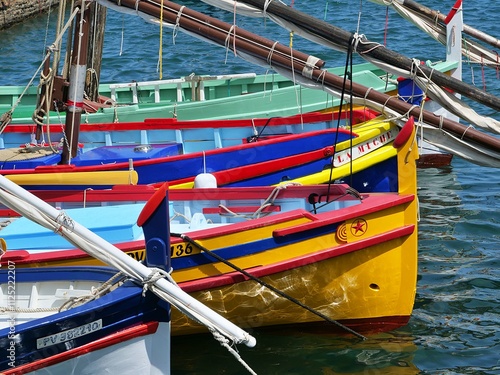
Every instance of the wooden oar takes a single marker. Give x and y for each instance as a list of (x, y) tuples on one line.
[(44, 214)]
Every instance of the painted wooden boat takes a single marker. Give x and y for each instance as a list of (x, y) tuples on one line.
[(94, 319), (304, 252), (237, 152), (201, 97), (91, 337)]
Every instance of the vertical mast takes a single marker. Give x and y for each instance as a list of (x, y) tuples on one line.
[(96, 41), (76, 85)]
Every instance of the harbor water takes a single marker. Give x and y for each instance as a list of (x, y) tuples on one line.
[(455, 326)]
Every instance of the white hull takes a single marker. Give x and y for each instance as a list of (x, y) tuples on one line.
[(145, 355)]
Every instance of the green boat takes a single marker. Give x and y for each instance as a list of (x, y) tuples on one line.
[(200, 97)]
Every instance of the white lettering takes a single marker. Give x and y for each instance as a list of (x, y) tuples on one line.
[(69, 334)]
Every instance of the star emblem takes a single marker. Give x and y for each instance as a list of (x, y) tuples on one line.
[(358, 227)]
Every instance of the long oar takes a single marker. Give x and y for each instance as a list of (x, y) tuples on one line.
[(41, 212)]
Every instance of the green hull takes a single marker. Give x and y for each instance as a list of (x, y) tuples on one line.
[(268, 95)]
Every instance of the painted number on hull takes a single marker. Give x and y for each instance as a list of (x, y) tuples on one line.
[(69, 334), (181, 249), (176, 251)]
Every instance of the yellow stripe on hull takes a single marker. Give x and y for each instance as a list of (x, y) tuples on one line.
[(107, 178), (367, 131)]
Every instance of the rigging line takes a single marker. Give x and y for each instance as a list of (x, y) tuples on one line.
[(214, 27), (347, 75), (47, 55), (263, 283), (255, 137), (160, 48), (351, 117)]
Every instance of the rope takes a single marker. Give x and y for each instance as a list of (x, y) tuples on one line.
[(270, 287), (95, 293), (47, 55), (160, 49), (223, 341), (267, 203), (155, 275), (176, 25)]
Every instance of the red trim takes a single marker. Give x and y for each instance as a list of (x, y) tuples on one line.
[(235, 277), (71, 103), (453, 11), (144, 192), (404, 133), (365, 325), (113, 339), (259, 169), (377, 204), (359, 115)]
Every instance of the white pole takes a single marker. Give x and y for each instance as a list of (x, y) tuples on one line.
[(111, 255)]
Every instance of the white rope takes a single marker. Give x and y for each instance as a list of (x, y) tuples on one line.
[(225, 343), (177, 23), (155, 275)]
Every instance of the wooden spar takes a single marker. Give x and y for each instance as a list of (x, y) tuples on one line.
[(343, 38), (216, 30), (433, 14), (76, 86), (301, 67), (42, 105), (96, 42)]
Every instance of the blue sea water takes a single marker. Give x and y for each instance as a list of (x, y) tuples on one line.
[(455, 326)]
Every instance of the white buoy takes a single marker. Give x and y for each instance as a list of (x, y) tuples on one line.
[(205, 180)]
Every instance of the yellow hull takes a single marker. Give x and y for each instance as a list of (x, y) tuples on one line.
[(368, 290)]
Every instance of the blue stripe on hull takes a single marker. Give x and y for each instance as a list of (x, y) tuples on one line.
[(190, 167), (251, 248)]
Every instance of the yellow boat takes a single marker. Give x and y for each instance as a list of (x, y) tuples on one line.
[(283, 255)]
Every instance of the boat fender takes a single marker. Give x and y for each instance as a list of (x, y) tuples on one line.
[(404, 134), (205, 180), (198, 221)]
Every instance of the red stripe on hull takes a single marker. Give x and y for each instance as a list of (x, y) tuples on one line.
[(116, 338)]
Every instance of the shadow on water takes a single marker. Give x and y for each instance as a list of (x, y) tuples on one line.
[(298, 352)]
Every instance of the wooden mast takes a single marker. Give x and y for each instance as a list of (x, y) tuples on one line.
[(96, 42), (76, 85)]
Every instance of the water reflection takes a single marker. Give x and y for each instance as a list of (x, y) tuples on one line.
[(456, 319), (299, 352)]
